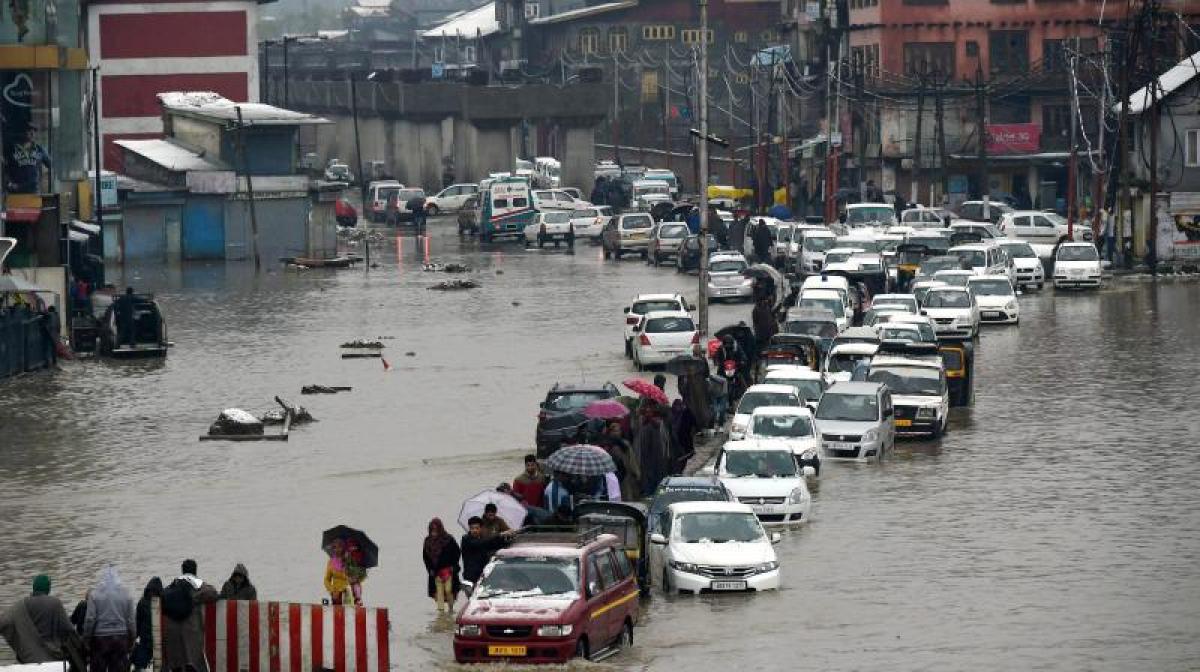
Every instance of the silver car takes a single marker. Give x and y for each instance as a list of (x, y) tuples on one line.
[(856, 421)]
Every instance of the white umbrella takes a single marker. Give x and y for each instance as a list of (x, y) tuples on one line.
[(507, 508)]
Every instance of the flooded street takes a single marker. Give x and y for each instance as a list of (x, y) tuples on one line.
[(1056, 526)]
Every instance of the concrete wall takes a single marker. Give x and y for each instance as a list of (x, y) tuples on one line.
[(579, 157)]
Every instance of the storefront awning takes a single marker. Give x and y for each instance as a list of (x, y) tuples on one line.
[(1036, 157)]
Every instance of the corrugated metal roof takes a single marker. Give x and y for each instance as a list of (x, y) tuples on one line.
[(172, 156), (1168, 82), (583, 12), (214, 107), (478, 22)]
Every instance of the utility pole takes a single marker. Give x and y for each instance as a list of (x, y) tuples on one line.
[(1151, 227), (98, 161), (732, 157), (666, 87), (981, 132), (1098, 162), (241, 143), (940, 135), (1073, 165), (265, 85), (362, 179), (915, 192), (616, 137), (287, 99), (1129, 60), (703, 293)]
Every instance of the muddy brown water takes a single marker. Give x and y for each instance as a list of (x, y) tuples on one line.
[(1056, 526)]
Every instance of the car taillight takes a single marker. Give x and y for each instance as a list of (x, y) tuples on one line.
[(644, 339), (696, 338), (631, 320), (542, 416)]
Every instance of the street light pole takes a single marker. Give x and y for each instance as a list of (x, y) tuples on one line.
[(703, 155)]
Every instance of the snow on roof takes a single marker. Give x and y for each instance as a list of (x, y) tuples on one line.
[(582, 12), (214, 107), (478, 22), (1168, 82), (170, 155)]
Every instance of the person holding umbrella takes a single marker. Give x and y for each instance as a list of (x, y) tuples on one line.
[(441, 555), (351, 553), (478, 549)]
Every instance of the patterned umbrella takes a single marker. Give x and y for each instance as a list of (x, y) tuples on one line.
[(581, 460), (646, 388), (606, 409)]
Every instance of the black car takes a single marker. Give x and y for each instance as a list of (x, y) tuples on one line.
[(561, 414), (688, 258), (674, 489)]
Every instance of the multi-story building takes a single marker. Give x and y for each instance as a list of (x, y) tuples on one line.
[(144, 47)]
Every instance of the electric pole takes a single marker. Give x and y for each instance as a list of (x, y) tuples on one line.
[(703, 151), (915, 191), (981, 131), (1098, 162), (616, 137), (666, 132), (1073, 165), (940, 136)]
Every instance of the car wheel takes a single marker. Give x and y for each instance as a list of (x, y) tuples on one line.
[(433, 211), (581, 648), (938, 430), (628, 349), (625, 641)]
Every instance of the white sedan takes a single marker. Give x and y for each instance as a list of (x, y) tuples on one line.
[(663, 336), (589, 222), (713, 546), (551, 226), (996, 299), (788, 427)]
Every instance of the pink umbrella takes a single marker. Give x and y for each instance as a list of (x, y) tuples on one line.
[(647, 389), (605, 409)]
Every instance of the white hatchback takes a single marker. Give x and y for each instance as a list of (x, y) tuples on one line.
[(996, 299), (766, 478), (762, 394), (953, 311), (713, 547), (648, 303), (789, 427), (663, 336), (1077, 265)]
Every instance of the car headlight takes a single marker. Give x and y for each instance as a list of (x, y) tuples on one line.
[(1011, 305), (871, 436), (468, 630), (926, 413), (766, 567), (684, 567), (798, 495), (554, 630)]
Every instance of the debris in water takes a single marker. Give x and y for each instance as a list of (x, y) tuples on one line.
[(446, 268), (451, 285), (499, 271), (324, 389), (236, 422), (359, 343), (276, 416)]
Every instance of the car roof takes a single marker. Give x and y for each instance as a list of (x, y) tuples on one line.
[(994, 276), (930, 361), (709, 507), (854, 387), (894, 296), (855, 348), (792, 372), (753, 444), (572, 387), (657, 297), (820, 293), (852, 206), (948, 289), (691, 483), (557, 549), (824, 280), (768, 387), (1073, 244), (909, 318), (972, 247), (821, 232), (851, 250), (782, 410), (953, 272)]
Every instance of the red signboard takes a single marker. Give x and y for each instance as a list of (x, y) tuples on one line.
[(1013, 138)]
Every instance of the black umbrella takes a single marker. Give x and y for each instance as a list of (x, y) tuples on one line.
[(352, 537), (687, 365)]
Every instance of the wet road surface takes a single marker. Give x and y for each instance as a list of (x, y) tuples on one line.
[(1056, 526)]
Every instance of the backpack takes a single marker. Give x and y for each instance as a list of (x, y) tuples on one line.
[(177, 600)]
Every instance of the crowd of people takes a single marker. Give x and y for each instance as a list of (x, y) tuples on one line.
[(109, 632)]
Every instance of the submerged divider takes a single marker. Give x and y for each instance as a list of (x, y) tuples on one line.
[(244, 636)]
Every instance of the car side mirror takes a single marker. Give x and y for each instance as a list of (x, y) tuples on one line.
[(593, 588), (625, 310), (776, 537), (658, 538)]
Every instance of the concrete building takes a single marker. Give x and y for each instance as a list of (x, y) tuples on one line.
[(185, 196), (144, 47)]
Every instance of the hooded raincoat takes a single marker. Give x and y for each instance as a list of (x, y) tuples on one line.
[(110, 608), (38, 630), (245, 591)]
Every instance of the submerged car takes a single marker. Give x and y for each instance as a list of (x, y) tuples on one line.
[(856, 421), (953, 311), (1026, 263), (996, 299), (714, 547), (1077, 265), (767, 478), (756, 396), (561, 414), (915, 376)]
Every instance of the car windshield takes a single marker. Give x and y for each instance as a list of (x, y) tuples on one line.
[(719, 527), (680, 231), (837, 257), (805, 388), (784, 426), (956, 279), (386, 193), (1077, 253), (585, 214), (931, 266), (914, 380), (932, 242), (850, 407), (832, 305), (1020, 251), (844, 362), (991, 287), (407, 194), (637, 222), (670, 325), (972, 258), (668, 496), (570, 401), (905, 305), (882, 214), (556, 217), (761, 463), (514, 578), (866, 245), (819, 243), (918, 333), (643, 307), (727, 266), (753, 400), (947, 299), (811, 328)]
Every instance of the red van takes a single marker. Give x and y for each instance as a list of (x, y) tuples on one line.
[(548, 598)]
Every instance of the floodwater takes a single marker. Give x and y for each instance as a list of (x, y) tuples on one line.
[(1056, 526)]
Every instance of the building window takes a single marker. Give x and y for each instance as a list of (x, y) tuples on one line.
[(1192, 148), (439, 54), (866, 58), (658, 32), (1012, 109), (618, 39), (862, 4), (532, 10), (1056, 53), (935, 58), (1056, 121), (692, 36), (469, 53), (1009, 51), (589, 40), (741, 36)]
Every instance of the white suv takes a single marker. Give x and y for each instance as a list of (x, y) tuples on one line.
[(713, 546), (1026, 263), (648, 303)]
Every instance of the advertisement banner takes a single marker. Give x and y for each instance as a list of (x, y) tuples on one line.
[(1013, 138)]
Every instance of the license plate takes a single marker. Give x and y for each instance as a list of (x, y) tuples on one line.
[(904, 423), (837, 445), (506, 651), (728, 585), (761, 509), (991, 313)]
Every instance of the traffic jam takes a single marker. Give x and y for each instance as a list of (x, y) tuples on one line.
[(861, 333)]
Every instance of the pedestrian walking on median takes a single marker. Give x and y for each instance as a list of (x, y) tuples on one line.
[(111, 624), (183, 603), (761, 238), (441, 555), (238, 587), (38, 630), (143, 649)]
